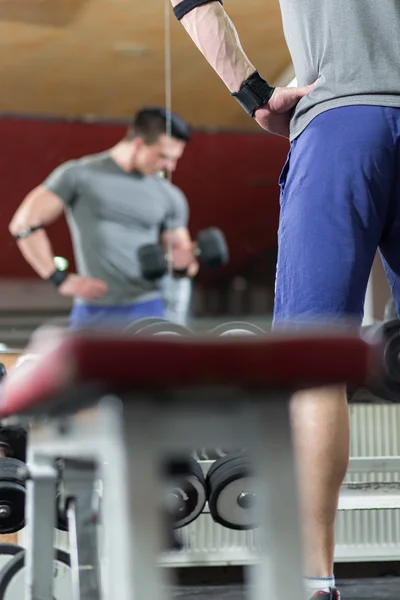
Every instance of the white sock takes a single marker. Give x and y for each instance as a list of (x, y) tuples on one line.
[(319, 584)]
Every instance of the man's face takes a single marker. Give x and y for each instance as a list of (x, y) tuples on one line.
[(162, 155)]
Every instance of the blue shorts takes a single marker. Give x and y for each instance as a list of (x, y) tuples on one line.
[(340, 203), (92, 316)]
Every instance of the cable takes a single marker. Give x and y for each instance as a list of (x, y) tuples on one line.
[(168, 106)]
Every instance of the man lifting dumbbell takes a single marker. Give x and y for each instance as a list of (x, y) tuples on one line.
[(115, 202), (210, 248), (176, 284)]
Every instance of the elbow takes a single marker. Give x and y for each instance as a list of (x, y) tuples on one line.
[(14, 227), (30, 212), (18, 223)]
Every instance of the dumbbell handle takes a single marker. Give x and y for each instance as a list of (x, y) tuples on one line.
[(196, 252), (210, 249), (5, 450)]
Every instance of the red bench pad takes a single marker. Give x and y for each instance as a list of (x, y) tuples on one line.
[(273, 362)]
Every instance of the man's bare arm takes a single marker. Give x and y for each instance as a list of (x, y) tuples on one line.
[(40, 207), (182, 247), (216, 37)]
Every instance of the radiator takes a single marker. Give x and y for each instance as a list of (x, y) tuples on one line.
[(372, 535)]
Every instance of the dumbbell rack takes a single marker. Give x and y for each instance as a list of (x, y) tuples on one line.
[(207, 393), (367, 526), (370, 535), (209, 544)]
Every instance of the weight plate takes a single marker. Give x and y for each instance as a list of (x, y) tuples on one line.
[(12, 495), (186, 493), (231, 497), (12, 578), (237, 328), (164, 328), (7, 552), (184, 466), (388, 334), (213, 248), (392, 357), (186, 500), (136, 326), (223, 461), (152, 261), (13, 439), (234, 506)]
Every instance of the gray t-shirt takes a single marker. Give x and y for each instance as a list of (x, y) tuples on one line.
[(352, 46), (111, 213)]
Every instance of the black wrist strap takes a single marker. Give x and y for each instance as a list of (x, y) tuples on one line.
[(254, 93), (186, 6), (58, 277), (179, 273)]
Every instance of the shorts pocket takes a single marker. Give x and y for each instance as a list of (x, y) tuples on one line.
[(284, 173)]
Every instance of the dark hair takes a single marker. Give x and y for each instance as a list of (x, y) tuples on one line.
[(151, 122)]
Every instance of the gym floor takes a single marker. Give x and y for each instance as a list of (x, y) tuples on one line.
[(387, 588), (356, 581)]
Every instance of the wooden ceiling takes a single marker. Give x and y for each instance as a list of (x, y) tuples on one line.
[(105, 58)]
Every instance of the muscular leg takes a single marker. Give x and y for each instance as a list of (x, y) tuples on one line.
[(335, 191), (322, 458)]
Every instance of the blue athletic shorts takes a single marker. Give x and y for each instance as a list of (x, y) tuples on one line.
[(90, 316), (340, 203)]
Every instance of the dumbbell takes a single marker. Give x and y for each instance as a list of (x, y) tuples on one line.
[(211, 250), (156, 326), (13, 475), (13, 441), (231, 492), (186, 494), (388, 334), (7, 552), (13, 577), (237, 328)]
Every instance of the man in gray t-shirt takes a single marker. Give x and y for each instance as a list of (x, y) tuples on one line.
[(340, 203), (115, 202)]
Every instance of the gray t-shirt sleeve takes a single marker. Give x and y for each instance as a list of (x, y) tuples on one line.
[(178, 211), (63, 182)]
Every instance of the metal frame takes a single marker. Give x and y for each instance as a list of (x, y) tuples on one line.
[(40, 515), (122, 441), (83, 445), (127, 438), (79, 482)]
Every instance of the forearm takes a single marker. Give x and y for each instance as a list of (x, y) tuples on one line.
[(216, 37), (39, 208), (37, 251)]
